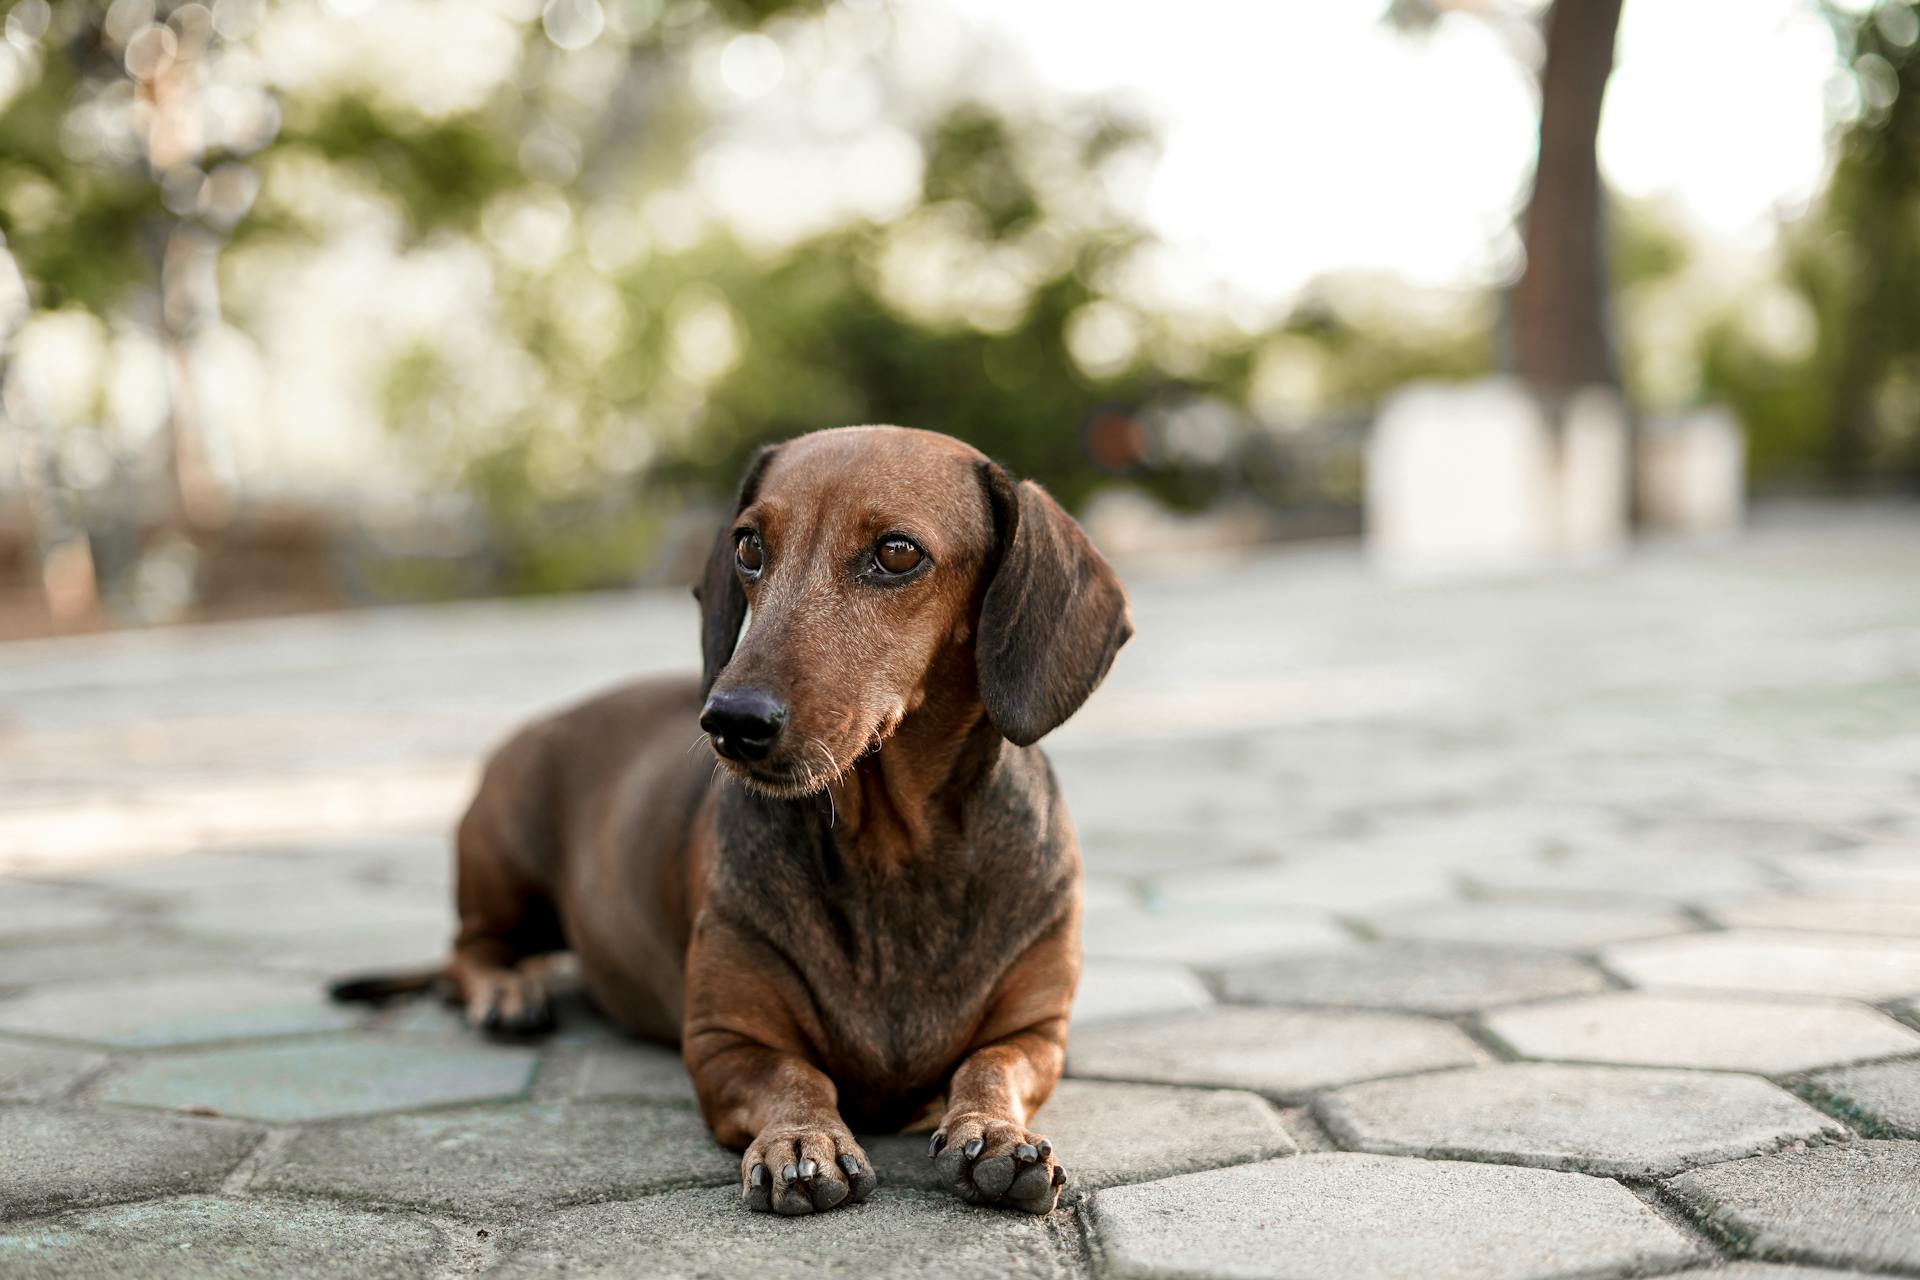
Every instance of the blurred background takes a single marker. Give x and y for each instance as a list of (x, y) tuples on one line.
[(324, 302)]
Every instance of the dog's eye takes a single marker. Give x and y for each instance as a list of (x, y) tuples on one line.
[(897, 555), (750, 553)]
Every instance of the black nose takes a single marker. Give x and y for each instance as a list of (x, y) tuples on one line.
[(744, 723)]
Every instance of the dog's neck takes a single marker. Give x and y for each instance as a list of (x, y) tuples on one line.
[(891, 806)]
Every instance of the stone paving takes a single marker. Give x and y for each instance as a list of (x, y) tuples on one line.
[(1542, 928)]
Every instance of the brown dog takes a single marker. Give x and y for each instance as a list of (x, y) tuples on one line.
[(880, 922)]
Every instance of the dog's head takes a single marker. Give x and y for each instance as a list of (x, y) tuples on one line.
[(885, 571)]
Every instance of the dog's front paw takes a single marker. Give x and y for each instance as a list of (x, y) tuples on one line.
[(794, 1169), (990, 1161)]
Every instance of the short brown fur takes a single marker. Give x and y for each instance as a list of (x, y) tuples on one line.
[(876, 925)]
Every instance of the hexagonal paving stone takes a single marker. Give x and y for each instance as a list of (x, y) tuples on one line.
[(1108, 893), (1115, 990), (484, 1160), (1884, 871), (1328, 883), (1681, 1029), (1882, 1100), (1834, 912), (1282, 1053), (202, 1237), (631, 1069), (1853, 1205), (277, 910), (125, 954), (185, 873), (59, 1156), (697, 1234), (348, 949), (1207, 937), (1108, 1134), (33, 1071), (1421, 979), (1363, 1217), (29, 909), (1618, 1121), (1591, 874), (1760, 960), (1551, 925), (576, 1022), (1764, 1271), (318, 1081), (176, 1009)]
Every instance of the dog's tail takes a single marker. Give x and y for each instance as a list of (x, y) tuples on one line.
[(373, 988)]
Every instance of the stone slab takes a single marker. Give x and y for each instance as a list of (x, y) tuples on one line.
[(1764, 1271), (482, 1160), (1622, 874), (649, 1072), (277, 910), (1331, 883), (118, 956), (1413, 977), (1852, 1205), (576, 1022), (61, 1156), (1207, 937), (34, 1072), (1700, 1030), (204, 1238), (1870, 870), (706, 1233), (1116, 990), (1107, 1134), (1882, 1099), (1613, 1121), (1834, 912), (29, 909), (1551, 925), (1282, 1053), (186, 873), (393, 947), (173, 1009), (1777, 961), (1365, 1217), (324, 1080)]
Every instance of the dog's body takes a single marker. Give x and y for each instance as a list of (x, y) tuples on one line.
[(876, 919), (605, 835)]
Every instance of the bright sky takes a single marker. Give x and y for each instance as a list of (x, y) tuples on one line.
[(1303, 136)]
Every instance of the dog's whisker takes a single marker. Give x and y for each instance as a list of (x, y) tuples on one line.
[(830, 776), (698, 740)]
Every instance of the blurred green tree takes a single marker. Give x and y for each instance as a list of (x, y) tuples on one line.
[(1843, 408)]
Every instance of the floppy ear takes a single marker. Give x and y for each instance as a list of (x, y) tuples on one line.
[(723, 603), (1053, 616)]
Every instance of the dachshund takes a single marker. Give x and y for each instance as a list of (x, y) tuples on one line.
[(866, 915)]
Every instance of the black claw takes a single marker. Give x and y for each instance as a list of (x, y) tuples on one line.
[(790, 1173), (1059, 1176), (851, 1166), (1026, 1153), (758, 1177), (936, 1144), (974, 1148), (808, 1168), (1046, 1147)]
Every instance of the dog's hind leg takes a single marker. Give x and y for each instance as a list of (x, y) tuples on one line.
[(509, 932)]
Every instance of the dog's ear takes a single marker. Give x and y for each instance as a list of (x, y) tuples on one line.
[(1053, 616), (723, 602)]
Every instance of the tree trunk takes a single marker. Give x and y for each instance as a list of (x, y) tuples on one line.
[(1560, 336)]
